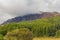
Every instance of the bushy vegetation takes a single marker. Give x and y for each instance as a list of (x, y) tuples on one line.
[(39, 27), (19, 34), (1, 37), (58, 33)]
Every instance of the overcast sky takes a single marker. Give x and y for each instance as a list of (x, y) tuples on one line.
[(13, 8)]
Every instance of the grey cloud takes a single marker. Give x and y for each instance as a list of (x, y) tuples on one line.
[(13, 8)]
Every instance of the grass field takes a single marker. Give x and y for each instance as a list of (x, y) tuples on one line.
[(46, 38)]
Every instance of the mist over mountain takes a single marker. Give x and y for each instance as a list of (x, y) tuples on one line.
[(32, 16), (12, 8)]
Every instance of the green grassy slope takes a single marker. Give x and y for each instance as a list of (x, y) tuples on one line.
[(39, 27)]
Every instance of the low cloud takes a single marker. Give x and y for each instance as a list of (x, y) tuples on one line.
[(13, 8)]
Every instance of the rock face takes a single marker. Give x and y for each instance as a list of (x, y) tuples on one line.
[(32, 17)]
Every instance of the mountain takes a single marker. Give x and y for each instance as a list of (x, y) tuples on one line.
[(32, 17)]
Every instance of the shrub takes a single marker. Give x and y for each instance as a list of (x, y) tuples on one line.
[(58, 33), (19, 34), (1, 37)]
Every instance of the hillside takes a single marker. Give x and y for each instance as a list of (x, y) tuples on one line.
[(32, 17), (45, 27)]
